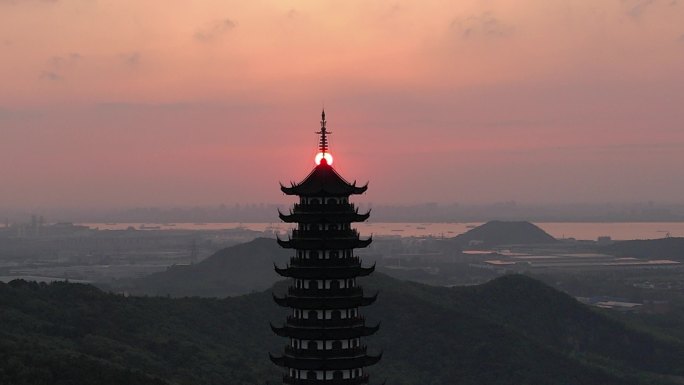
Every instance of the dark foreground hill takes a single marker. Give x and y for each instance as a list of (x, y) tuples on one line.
[(670, 248), (496, 233), (513, 330), (235, 270)]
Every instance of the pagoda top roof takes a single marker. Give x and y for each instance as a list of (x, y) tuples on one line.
[(324, 181)]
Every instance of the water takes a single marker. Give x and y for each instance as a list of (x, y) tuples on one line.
[(578, 230)]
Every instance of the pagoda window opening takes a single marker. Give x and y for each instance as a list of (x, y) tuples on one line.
[(337, 375), (315, 201), (313, 254), (336, 315), (311, 375), (337, 345), (334, 254), (313, 314), (334, 285), (312, 345), (332, 201)]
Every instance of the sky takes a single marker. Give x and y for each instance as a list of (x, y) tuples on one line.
[(127, 103)]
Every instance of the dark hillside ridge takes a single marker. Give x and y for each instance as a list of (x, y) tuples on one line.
[(512, 331), (669, 248), (495, 233), (248, 267), (235, 270)]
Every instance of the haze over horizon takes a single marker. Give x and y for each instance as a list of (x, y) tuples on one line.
[(125, 103)]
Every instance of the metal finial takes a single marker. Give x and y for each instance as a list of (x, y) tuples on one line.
[(323, 142)]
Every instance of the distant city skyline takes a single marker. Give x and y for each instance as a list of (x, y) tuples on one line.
[(137, 104)]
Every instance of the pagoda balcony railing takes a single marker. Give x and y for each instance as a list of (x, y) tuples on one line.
[(323, 234), (323, 207), (339, 322), (333, 292), (345, 261), (319, 353), (347, 381)]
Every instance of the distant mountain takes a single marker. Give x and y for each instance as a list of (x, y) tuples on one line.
[(248, 267), (235, 270), (495, 233), (512, 331), (670, 248)]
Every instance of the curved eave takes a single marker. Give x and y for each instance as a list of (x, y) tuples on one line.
[(325, 334), (319, 244), (325, 364), (365, 271), (303, 191), (323, 217), (323, 181), (324, 302), (324, 273)]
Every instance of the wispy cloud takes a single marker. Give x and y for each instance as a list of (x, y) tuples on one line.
[(19, 2), (483, 25), (214, 30), (131, 58), (58, 64), (50, 75), (636, 9)]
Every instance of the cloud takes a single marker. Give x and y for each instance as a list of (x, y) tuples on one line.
[(214, 30), (58, 63), (132, 58), (636, 8), (50, 75), (483, 25), (15, 2)]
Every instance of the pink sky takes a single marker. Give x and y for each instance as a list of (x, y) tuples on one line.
[(126, 103)]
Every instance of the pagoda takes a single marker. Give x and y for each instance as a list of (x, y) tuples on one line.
[(324, 328)]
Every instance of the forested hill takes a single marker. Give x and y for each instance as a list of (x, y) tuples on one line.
[(235, 270), (670, 248), (496, 233), (513, 330)]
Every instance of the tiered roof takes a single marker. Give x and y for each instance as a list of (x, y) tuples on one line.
[(324, 181)]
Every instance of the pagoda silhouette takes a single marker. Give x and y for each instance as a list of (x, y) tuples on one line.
[(325, 328)]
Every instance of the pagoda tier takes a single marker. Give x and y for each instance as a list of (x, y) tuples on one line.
[(324, 302), (343, 333), (323, 181), (324, 328), (331, 353), (325, 363), (325, 323), (330, 273), (323, 217), (324, 263), (363, 379), (325, 244)]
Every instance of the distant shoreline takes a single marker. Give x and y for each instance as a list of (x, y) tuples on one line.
[(577, 230)]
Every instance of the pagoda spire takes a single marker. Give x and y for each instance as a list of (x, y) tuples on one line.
[(323, 142)]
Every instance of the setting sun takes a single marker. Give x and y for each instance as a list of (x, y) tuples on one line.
[(321, 155)]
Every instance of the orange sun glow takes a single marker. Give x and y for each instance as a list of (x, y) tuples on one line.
[(321, 155)]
